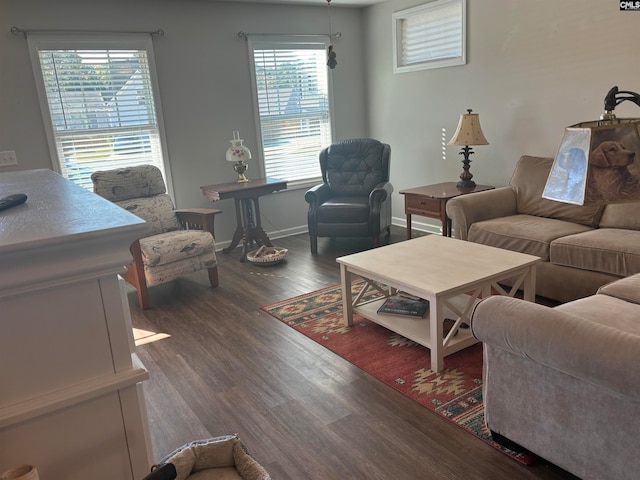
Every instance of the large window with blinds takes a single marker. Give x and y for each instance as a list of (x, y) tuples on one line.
[(98, 102), (432, 35), (293, 101)]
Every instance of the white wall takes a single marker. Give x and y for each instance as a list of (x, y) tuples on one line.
[(533, 67), (203, 72)]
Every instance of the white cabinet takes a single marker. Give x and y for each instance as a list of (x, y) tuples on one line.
[(71, 396)]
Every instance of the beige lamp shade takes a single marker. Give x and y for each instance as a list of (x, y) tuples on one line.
[(598, 162), (468, 131)]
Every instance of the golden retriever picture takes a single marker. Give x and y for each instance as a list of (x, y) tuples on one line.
[(609, 177)]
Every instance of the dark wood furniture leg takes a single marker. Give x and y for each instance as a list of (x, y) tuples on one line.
[(239, 233)]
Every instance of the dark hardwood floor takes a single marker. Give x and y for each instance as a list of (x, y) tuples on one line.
[(302, 411)]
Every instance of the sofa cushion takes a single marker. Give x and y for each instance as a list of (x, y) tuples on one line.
[(627, 289), (523, 233), (608, 250), (621, 215), (529, 179)]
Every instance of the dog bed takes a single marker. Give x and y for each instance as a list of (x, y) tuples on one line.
[(220, 458)]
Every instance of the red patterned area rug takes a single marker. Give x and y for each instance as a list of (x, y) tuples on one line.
[(455, 393)]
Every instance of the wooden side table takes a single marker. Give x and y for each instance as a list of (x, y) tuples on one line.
[(246, 197), (431, 201)]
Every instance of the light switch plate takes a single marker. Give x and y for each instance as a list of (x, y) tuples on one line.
[(8, 158)]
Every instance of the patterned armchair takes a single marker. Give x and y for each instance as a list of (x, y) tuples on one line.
[(355, 198), (177, 243)]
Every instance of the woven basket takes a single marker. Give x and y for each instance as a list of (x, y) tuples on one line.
[(267, 255)]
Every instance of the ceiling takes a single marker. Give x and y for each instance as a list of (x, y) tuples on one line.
[(334, 3)]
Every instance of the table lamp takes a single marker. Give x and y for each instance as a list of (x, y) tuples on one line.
[(238, 153), (597, 160), (467, 134)]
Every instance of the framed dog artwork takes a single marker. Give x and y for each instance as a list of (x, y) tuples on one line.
[(597, 163)]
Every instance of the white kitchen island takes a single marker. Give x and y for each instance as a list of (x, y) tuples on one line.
[(71, 396)]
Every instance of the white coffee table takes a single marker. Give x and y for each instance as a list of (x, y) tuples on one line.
[(452, 274)]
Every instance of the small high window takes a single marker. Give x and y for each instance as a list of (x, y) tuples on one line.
[(430, 36)]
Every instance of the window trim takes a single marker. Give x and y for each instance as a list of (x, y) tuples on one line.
[(97, 41), (402, 15), (286, 42)]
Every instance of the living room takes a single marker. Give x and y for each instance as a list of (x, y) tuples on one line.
[(532, 69)]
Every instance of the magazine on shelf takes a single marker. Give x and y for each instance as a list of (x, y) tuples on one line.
[(404, 306)]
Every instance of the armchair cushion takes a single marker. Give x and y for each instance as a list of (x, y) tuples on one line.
[(173, 246), (170, 271), (157, 211), (344, 210), (126, 183)]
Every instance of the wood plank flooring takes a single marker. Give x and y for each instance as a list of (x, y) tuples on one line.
[(302, 411)]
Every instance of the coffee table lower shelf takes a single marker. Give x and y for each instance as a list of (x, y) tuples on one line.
[(418, 329)]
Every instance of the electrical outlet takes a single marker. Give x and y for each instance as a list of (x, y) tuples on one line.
[(8, 158)]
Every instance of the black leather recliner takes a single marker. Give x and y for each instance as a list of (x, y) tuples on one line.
[(355, 198)]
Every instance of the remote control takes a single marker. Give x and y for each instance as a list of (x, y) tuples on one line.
[(12, 200)]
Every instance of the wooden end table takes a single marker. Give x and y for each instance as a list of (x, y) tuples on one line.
[(246, 197), (431, 201)]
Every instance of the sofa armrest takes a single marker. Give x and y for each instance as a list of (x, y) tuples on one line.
[(465, 210), (580, 348)]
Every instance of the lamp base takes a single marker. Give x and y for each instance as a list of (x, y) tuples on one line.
[(466, 184), (466, 175), (240, 167)]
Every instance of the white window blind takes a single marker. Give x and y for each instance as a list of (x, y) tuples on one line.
[(293, 103), (430, 36), (101, 107)]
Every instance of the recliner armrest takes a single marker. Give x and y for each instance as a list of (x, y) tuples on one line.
[(198, 218), (590, 351), (318, 194), (465, 210), (380, 193)]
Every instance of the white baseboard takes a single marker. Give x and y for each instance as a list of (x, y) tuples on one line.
[(395, 221)]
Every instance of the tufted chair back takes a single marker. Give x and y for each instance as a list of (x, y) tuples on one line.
[(354, 167)]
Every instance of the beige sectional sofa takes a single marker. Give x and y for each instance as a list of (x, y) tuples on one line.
[(562, 382), (582, 247)]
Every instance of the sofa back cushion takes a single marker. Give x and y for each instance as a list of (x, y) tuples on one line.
[(528, 181), (621, 215)]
